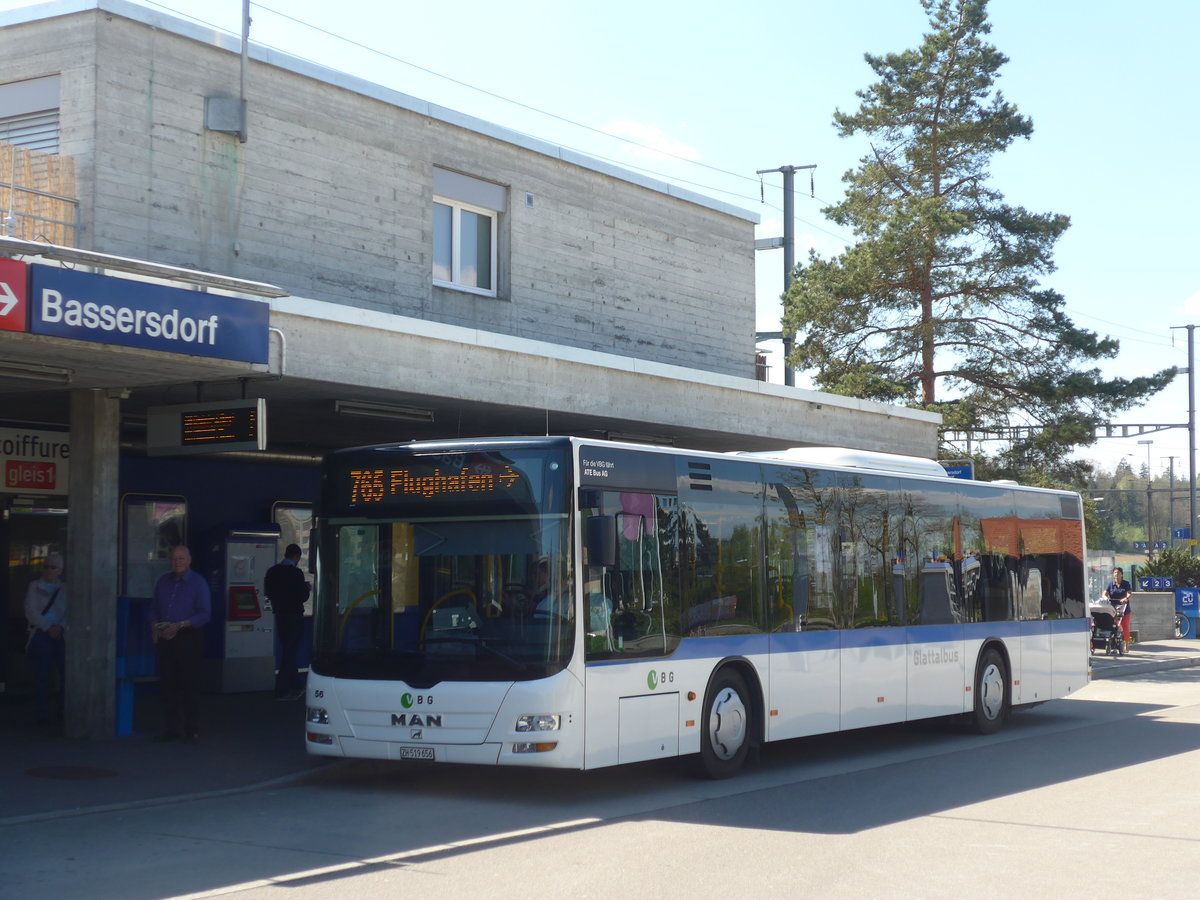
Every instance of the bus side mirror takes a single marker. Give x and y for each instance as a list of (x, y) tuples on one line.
[(602, 541)]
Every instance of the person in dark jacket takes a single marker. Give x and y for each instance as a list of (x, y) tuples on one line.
[(287, 592)]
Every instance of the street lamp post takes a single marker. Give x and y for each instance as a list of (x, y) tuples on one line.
[(1149, 507)]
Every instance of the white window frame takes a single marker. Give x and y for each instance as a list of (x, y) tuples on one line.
[(457, 208)]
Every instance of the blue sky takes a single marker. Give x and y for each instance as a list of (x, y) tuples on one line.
[(727, 88)]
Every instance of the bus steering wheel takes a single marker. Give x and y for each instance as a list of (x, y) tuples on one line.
[(470, 594)]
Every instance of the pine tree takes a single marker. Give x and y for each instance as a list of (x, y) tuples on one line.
[(939, 303)]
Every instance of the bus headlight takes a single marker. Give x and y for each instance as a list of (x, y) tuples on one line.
[(318, 716), (538, 723)]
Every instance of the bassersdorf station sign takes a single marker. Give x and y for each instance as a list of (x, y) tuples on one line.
[(89, 307)]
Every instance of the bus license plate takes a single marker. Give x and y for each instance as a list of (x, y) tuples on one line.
[(416, 753)]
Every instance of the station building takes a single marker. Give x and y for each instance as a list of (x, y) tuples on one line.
[(197, 227)]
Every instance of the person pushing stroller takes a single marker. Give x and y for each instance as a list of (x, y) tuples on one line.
[(1120, 591)]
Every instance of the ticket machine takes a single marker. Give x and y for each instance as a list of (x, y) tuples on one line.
[(248, 659)]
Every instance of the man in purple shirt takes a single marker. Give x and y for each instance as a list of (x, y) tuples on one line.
[(181, 608)]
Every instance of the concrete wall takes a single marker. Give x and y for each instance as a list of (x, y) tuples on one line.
[(1153, 615), (329, 344), (331, 197)]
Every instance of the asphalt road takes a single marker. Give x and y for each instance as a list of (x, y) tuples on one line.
[(1094, 796)]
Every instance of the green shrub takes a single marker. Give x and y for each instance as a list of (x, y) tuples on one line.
[(1177, 564)]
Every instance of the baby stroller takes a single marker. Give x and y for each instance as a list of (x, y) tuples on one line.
[(1106, 627)]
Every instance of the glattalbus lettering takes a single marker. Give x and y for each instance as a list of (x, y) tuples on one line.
[(935, 656), (171, 326)]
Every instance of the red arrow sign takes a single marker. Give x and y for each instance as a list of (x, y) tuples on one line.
[(14, 282)]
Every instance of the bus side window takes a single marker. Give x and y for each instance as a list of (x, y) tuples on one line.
[(799, 505), (629, 603)]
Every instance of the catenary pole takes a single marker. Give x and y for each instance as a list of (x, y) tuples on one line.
[(1191, 426), (789, 253), (1191, 330)]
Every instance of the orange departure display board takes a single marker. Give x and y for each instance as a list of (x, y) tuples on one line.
[(222, 425), (191, 428)]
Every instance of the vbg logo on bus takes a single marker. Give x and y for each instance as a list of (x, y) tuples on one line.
[(654, 678), (937, 656), (408, 701)]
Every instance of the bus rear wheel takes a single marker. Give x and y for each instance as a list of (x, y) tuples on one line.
[(728, 725), (992, 700)]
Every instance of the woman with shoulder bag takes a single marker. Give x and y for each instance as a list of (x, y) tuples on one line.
[(46, 614)]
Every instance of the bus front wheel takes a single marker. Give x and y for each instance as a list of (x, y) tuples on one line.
[(992, 700), (727, 725)]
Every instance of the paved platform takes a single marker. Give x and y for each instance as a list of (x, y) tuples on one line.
[(1147, 657), (248, 742)]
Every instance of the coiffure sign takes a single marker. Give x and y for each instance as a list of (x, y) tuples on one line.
[(88, 307), (34, 462)]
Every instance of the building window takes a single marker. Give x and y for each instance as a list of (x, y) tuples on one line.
[(466, 217), (29, 113), (464, 247)]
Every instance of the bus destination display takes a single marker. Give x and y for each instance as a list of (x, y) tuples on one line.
[(376, 485)]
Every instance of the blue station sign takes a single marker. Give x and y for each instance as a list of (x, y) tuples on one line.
[(1157, 583), (958, 468), (1187, 600), (89, 307)]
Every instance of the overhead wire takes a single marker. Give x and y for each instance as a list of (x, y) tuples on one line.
[(529, 107), (501, 97), (760, 200)]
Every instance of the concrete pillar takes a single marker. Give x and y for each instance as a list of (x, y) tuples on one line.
[(92, 548)]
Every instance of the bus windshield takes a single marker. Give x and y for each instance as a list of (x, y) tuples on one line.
[(450, 568)]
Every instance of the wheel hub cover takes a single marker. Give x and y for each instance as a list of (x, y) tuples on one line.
[(727, 724)]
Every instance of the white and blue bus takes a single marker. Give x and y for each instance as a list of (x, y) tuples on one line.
[(565, 602)]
